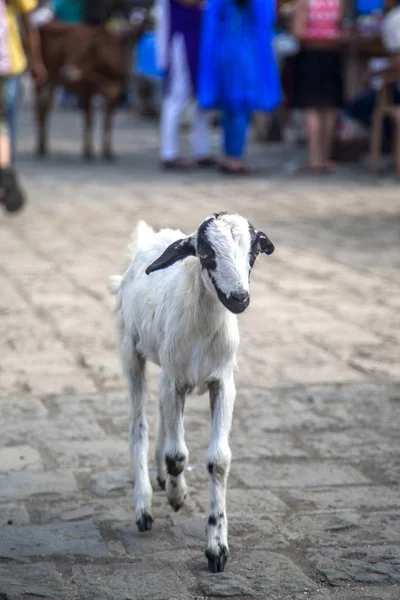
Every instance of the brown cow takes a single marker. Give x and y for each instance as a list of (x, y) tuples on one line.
[(87, 61)]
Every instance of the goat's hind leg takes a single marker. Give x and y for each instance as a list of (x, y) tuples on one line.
[(176, 452), (142, 495)]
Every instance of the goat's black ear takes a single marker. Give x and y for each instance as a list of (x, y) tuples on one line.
[(176, 251), (266, 246)]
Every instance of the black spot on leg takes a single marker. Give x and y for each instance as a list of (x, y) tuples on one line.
[(210, 467), (221, 515), (212, 520), (175, 464)]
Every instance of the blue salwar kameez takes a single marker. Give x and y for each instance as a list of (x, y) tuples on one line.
[(238, 73)]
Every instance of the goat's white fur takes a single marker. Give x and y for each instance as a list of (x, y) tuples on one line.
[(172, 318)]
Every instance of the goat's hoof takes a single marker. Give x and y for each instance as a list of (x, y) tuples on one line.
[(217, 559), (88, 156), (161, 483), (145, 522), (177, 504)]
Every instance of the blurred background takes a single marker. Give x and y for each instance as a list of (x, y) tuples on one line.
[(313, 495)]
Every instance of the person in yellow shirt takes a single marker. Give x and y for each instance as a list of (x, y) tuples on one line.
[(20, 10), (13, 63)]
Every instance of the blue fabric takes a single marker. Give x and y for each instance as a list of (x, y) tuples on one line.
[(13, 96), (366, 7), (235, 126), (68, 11), (146, 63), (238, 70)]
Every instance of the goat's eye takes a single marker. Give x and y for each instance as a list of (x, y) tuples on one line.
[(203, 256)]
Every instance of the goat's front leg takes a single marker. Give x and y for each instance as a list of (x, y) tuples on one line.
[(176, 452), (160, 450), (222, 399)]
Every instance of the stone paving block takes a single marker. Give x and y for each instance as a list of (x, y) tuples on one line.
[(22, 407), (344, 498), (343, 529), (137, 544), (58, 427), (226, 585), (71, 454), (147, 580), (265, 445), (100, 510), (24, 485), (270, 573), (20, 458), (42, 580), (13, 513), (113, 481), (301, 474), (354, 445), (364, 564), (67, 539)]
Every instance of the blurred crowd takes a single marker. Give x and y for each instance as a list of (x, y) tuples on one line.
[(233, 58)]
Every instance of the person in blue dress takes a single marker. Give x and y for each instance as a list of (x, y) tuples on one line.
[(238, 73)]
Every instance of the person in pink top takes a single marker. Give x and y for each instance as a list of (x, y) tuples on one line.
[(317, 76)]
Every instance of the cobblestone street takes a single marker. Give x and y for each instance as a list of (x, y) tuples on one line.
[(314, 493)]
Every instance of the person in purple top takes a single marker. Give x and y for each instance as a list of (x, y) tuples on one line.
[(178, 48)]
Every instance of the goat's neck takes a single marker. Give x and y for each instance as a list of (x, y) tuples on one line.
[(209, 312)]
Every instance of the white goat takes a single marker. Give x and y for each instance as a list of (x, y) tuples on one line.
[(184, 321)]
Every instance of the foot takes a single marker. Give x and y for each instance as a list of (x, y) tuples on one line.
[(176, 164), (11, 195), (310, 169), (206, 162), (236, 169), (330, 166)]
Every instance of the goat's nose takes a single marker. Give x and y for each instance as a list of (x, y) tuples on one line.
[(241, 297)]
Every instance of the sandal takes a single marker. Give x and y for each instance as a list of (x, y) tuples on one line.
[(308, 169), (13, 197), (176, 164), (207, 161), (245, 170)]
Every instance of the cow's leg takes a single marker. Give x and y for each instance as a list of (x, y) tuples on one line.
[(110, 107), (222, 399), (44, 98), (87, 108)]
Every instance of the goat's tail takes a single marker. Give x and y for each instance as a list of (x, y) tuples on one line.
[(114, 284), (141, 238)]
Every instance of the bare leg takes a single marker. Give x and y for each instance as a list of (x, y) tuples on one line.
[(176, 452), (314, 138), (328, 134), (222, 399)]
